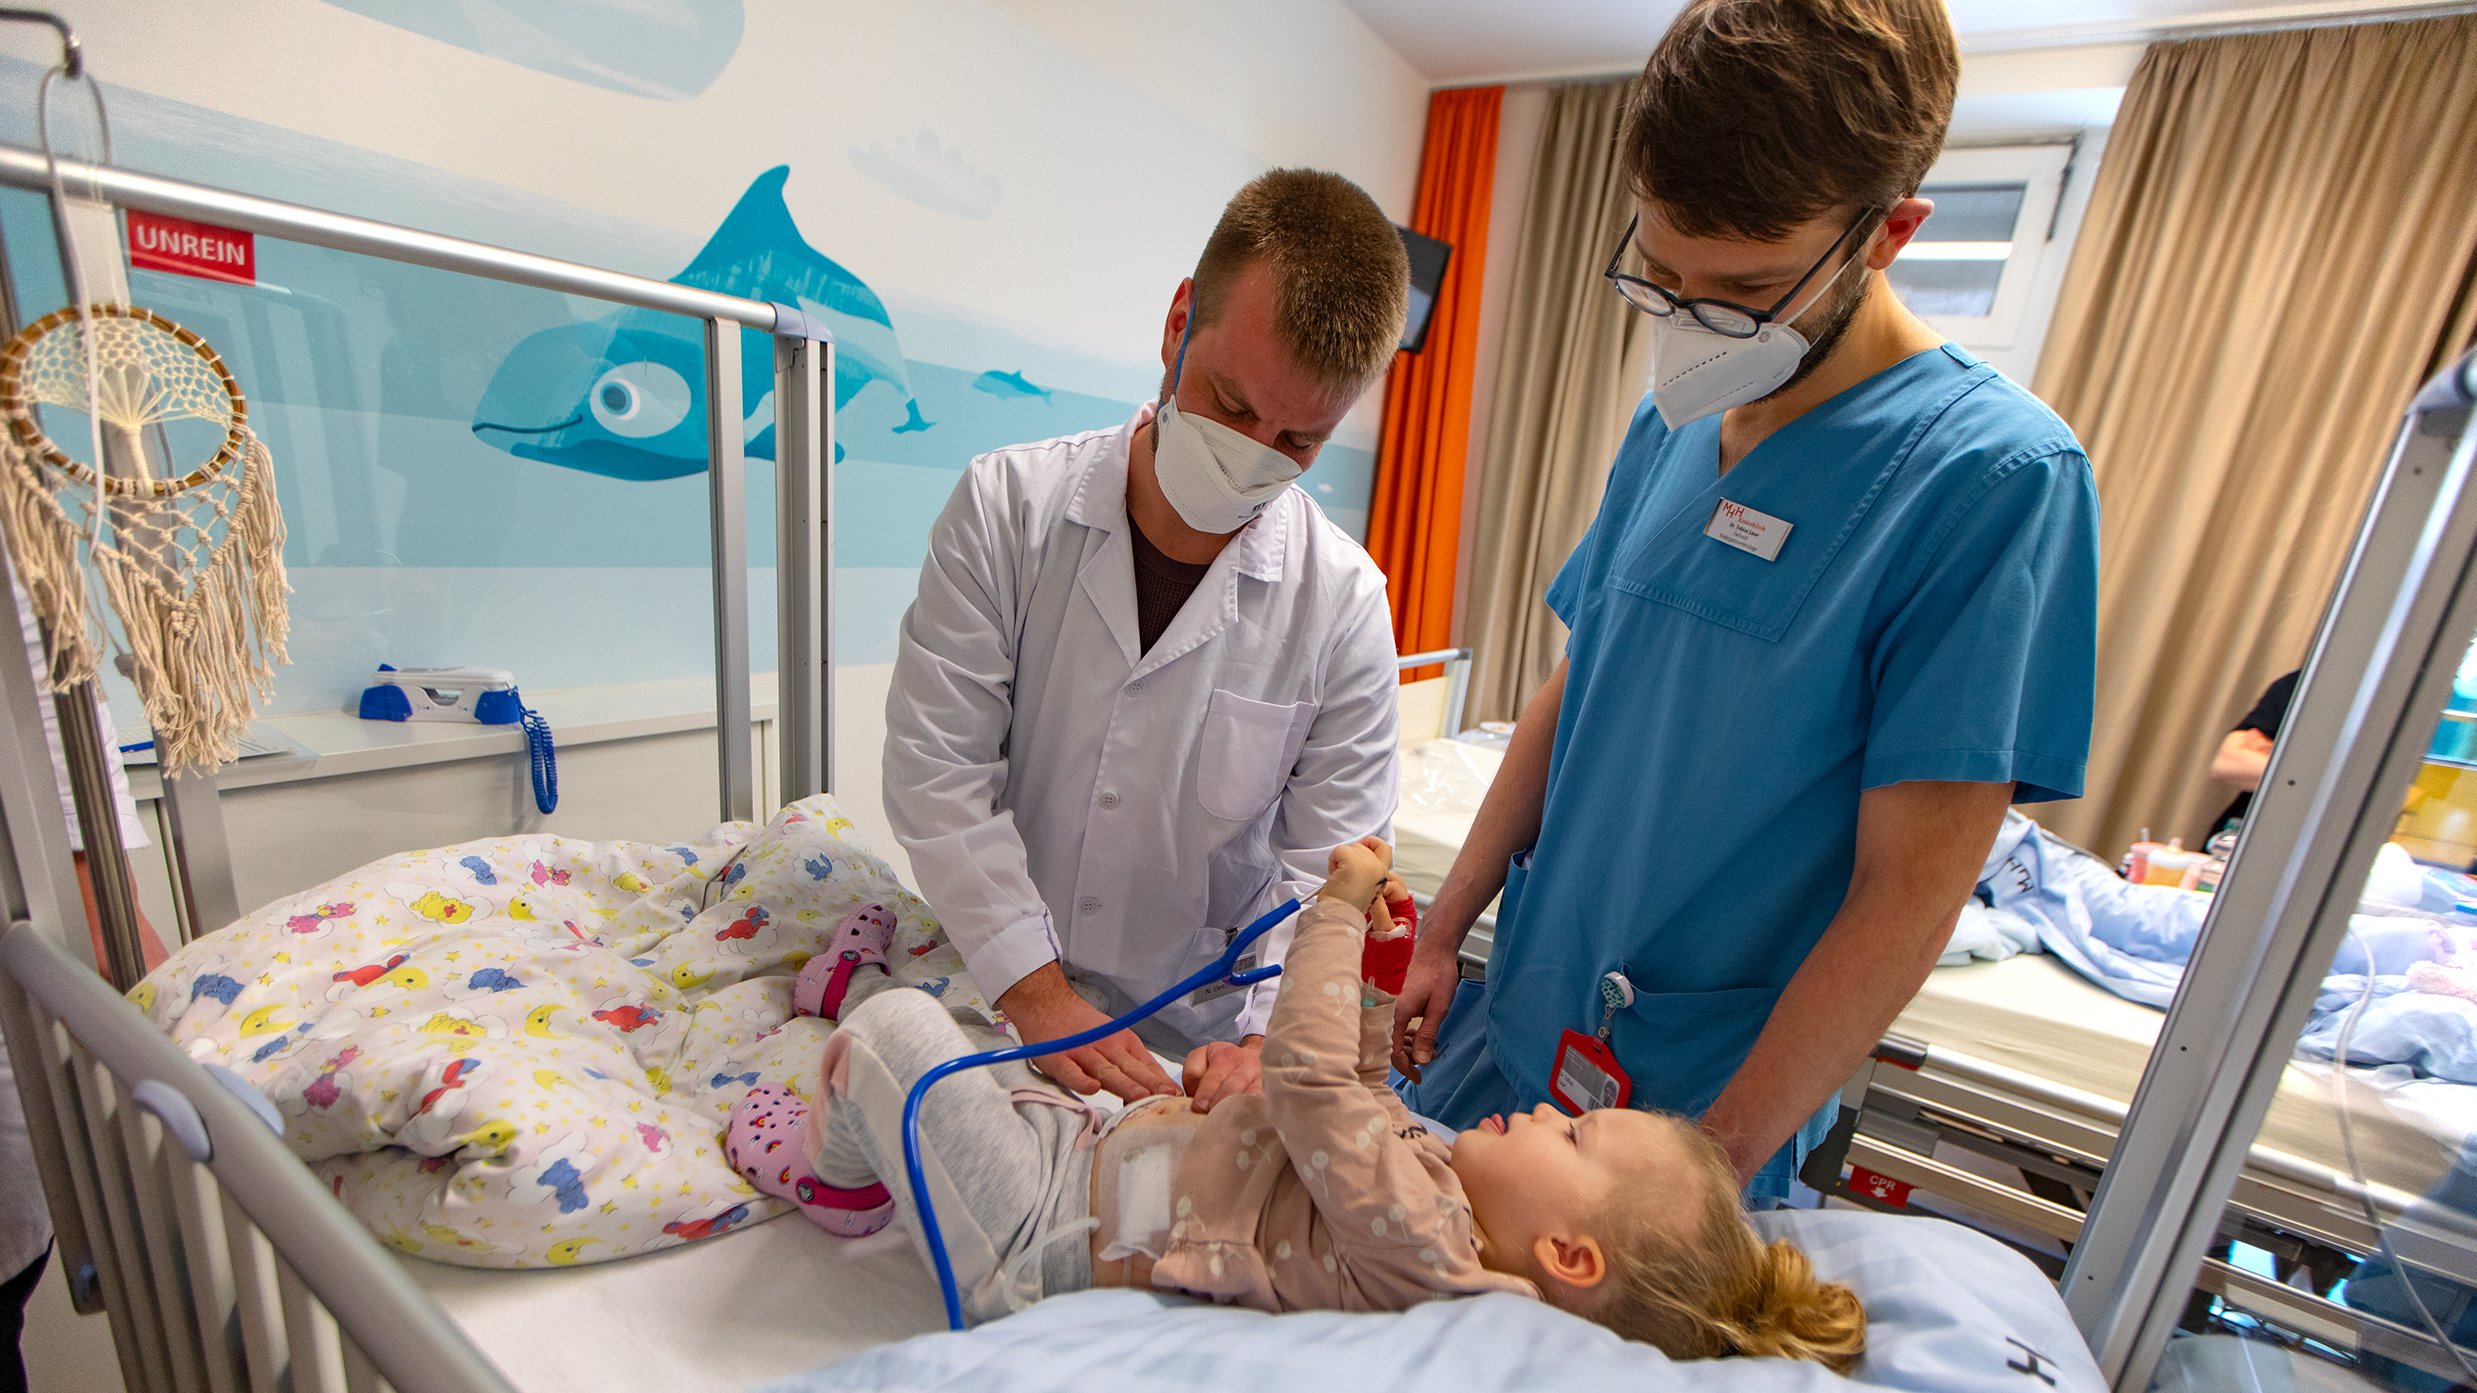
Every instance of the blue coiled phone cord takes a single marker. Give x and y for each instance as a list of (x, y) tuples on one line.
[(542, 752), (1223, 968)]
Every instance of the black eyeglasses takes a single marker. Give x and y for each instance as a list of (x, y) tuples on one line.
[(1720, 316)]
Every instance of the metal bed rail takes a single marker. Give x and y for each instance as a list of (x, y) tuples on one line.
[(1457, 665), (1912, 1106), (233, 1270)]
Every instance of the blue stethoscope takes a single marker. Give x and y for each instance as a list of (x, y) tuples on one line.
[(1221, 969)]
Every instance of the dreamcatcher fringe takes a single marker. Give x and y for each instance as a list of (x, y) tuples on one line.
[(204, 652)]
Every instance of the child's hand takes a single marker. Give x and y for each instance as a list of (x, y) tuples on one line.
[(1358, 871), (1400, 910)]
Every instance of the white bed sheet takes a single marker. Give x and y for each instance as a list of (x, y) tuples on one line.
[(753, 1305), (2034, 1014)]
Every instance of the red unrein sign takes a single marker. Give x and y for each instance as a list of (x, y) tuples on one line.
[(192, 249)]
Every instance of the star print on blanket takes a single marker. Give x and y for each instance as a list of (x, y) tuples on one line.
[(522, 1052)]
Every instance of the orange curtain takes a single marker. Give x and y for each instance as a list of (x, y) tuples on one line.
[(1415, 520)]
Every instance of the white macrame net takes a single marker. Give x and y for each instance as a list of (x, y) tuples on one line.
[(189, 557)]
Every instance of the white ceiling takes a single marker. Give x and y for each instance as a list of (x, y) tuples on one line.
[(1465, 41)]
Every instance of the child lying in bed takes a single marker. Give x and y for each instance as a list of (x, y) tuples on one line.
[(1320, 1193)]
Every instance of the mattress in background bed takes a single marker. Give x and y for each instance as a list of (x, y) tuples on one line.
[(2036, 1015)]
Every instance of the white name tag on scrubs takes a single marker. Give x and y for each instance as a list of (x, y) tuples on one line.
[(1758, 534)]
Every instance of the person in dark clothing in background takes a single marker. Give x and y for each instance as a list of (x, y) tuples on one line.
[(2247, 750)]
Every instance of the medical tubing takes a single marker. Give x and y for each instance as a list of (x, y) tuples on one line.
[(2342, 1085), (916, 1174)]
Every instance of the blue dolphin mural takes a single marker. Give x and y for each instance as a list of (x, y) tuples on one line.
[(624, 395), (1009, 384)]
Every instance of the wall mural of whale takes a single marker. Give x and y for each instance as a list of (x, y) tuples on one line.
[(624, 396)]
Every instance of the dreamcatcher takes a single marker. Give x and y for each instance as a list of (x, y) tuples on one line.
[(189, 557), (191, 562)]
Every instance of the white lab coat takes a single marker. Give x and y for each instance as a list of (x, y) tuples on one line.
[(1066, 797)]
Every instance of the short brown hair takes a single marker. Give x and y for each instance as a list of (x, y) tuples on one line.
[(1712, 1286), (1756, 115), (1342, 279)]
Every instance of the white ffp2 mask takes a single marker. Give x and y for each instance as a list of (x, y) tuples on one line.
[(1695, 372), (1217, 478)]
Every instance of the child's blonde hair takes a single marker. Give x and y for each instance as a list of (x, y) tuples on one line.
[(1710, 1286)]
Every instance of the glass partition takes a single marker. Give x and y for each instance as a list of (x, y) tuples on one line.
[(472, 473), (2350, 1242)]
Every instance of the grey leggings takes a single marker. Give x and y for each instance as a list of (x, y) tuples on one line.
[(1011, 1175)]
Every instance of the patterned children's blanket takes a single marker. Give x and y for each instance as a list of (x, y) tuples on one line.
[(521, 1052)]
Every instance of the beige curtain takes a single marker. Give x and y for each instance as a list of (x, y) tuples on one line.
[(1571, 369), (2279, 247)]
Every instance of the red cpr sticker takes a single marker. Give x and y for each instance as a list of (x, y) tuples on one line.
[(1879, 1187)]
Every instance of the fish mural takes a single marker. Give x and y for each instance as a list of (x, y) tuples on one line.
[(1010, 384), (623, 396)]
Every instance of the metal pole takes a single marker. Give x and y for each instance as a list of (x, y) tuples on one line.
[(37, 882), (799, 519), (727, 494), (2380, 672), (24, 169), (825, 569), (199, 854), (98, 825)]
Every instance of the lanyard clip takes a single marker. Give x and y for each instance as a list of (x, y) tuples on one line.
[(1616, 994)]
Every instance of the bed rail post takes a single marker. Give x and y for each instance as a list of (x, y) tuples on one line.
[(727, 497), (803, 552), (2380, 671)]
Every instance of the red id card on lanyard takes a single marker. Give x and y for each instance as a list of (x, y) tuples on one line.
[(1588, 1075)]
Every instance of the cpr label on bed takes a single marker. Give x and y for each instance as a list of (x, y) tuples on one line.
[(1758, 534), (187, 248)]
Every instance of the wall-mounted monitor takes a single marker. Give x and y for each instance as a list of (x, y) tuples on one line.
[(1428, 258)]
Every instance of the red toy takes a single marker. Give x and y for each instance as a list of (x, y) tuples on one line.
[(1385, 962)]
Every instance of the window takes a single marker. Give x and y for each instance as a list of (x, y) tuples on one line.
[(1973, 269)]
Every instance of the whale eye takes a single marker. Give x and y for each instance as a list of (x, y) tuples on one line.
[(639, 399)]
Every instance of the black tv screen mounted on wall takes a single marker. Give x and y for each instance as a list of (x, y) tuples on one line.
[(1428, 258)]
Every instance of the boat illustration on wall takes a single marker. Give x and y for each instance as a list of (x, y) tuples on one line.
[(624, 395)]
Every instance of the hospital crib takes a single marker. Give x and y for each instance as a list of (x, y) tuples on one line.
[(223, 1263)]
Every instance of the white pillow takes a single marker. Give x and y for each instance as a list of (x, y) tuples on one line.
[(1949, 1311)]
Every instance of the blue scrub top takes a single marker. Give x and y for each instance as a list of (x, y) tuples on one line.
[(1931, 615)]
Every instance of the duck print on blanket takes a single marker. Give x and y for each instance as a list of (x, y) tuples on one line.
[(521, 1052)]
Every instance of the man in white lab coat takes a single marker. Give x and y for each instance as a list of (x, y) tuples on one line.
[(1146, 685)]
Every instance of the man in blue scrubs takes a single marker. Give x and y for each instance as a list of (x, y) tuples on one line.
[(1836, 612)]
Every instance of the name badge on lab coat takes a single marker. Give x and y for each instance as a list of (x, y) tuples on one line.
[(1757, 534)]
